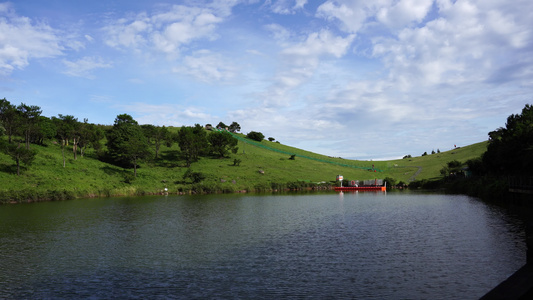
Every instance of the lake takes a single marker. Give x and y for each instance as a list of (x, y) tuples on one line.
[(396, 245)]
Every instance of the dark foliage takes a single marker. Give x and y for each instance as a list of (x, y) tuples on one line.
[(510, 149), (256, 136)]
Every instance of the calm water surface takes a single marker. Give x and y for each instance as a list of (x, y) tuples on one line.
[(364, 246)]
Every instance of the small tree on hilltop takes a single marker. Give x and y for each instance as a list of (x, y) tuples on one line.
[(256, 136), (234, 127)]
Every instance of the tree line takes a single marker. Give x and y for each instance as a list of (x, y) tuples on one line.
[(126, 142)]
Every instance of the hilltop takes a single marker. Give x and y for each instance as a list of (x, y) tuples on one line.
[(262, 166)]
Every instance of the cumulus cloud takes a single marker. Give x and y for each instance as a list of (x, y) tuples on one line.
[(404, 12), (464, 45), (21, 40), (351, 15)]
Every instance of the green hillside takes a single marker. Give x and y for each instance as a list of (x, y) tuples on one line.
[(263, 166)]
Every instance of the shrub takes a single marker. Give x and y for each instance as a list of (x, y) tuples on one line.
[(195, 177), (256, 136)]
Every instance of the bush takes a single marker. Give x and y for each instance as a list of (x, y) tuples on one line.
[(195, 177), (256, 136), (390, 181)]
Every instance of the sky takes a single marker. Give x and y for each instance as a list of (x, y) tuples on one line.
[(356, 79)]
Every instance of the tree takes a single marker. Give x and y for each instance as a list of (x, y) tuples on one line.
[(271, 139), (510, 149), (156, 136), (8, 118), (452, 167), (65, 127), (192, 142), (256, 136), (221, 125), (29, 116), (221, 143), (234, 127), (126, 143), (46, 130), (19, 154), (91, 135)]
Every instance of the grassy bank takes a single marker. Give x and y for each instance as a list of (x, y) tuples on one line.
[(263, 167)]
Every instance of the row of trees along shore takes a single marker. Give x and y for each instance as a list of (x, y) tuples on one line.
[(127, 142)]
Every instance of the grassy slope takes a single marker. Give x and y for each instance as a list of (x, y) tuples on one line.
[(88, 176)]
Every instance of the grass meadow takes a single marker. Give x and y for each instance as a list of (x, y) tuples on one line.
[(263, 166)]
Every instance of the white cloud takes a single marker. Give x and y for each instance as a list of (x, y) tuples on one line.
[(280, 33), (320, 43), (287, 6), (404, 12), (168, 30), (22, 40), (84, 66), (128, 33), (299, 62), (207, 66), (464, 45), (351, 14)]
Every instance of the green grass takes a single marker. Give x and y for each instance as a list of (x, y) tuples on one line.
[(89, 177)]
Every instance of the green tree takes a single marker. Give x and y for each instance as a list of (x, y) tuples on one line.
[(234, 127), (256, 136), (65, 127), (46, 130), (90, 135), (221, 125), (222, 142), (8, 118), (452, 167), (126, 143), (156, 136), (29, 117), (19, 154), (192, 142), (510, 149)]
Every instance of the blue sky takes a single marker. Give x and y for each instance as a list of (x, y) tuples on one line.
[(356, 79)]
